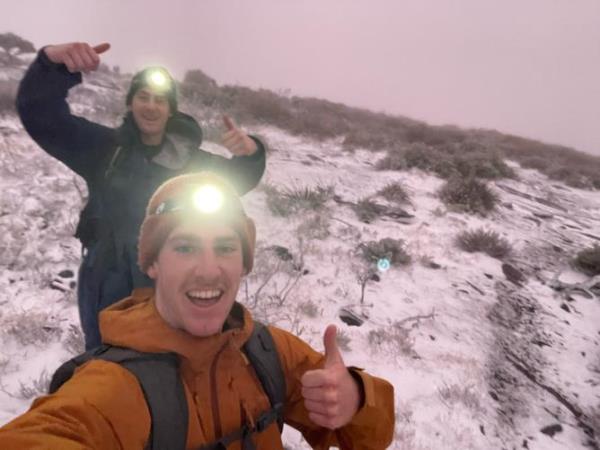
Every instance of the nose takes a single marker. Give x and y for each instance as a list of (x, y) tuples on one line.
[(206, 266)]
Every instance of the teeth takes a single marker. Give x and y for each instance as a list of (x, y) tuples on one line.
[(205, 294)]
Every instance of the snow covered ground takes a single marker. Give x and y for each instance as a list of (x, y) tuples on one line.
[(477, 361)]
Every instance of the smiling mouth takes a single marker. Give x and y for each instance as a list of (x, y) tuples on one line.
[(204, 298)]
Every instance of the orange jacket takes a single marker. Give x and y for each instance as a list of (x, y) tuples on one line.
[(102, 406)]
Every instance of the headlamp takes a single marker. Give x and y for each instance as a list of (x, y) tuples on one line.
[(207, 199), (157, 79)]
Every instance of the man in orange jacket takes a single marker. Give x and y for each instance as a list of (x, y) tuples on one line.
[(197, 243)]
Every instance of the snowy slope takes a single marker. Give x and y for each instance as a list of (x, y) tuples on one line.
[(476, 361)]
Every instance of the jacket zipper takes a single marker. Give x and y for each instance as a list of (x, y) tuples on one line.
[(214, 396)]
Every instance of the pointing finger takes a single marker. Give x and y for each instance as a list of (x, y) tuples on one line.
[(101, 48)]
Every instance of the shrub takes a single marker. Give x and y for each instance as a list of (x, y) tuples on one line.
[(394, 192), (32, 327), (393, 340), (588, 260), (289, 201), (454, 393), (469, 195), (485, 241), (37, 387), (8, 94), (315, 227), (367, 210), (392, 161), (74, 342), (391, 249), (343, 340), (309, 309), (482, 165), (536, 162)]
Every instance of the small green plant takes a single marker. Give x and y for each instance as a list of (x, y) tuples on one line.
[(468, 195), (588, 260), (486, 241), (394, 192), (391, 249)]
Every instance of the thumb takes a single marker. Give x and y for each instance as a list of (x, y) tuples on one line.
[(229, 123), (101, 48), (332, 352)]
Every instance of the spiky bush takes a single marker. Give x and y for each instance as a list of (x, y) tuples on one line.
[(468, 195), (391, 249), (367, 210), (588, 260), (289, 201), (394, 192), (485, 241)]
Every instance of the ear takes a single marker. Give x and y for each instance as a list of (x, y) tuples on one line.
[(152, 271)]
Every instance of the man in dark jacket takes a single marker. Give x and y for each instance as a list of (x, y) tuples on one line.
[(123, 166)]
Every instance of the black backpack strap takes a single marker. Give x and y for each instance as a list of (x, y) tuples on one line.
[(159, 379), (262, 353)]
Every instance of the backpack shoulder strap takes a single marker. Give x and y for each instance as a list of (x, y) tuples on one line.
[(262, 353), (159, 379)]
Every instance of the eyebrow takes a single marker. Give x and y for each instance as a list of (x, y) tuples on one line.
[(193, 238)]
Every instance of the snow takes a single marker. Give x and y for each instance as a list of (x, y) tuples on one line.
[(443, 366)]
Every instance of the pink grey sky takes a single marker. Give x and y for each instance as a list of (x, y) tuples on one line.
[(528, 67)]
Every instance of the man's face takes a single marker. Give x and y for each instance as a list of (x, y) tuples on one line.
[(151, 111), (197, 275)]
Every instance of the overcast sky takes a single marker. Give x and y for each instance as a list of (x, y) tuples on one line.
[(528, 67)]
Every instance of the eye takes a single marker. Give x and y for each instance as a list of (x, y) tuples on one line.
[(226, 249), (185, 249)]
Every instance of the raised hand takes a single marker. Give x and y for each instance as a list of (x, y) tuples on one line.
[(236, 140), (331, 395), (77, 56)]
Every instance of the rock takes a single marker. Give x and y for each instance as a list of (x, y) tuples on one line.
[(350, 318), (489, 275), (66, 273), (482, 429), (512, 274), (551, 430), (565, 307), (493, 395), (432, 337), (433, 265)]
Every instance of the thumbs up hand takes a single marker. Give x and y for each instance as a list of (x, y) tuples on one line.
[(235, 140), (331, 395), (77, 56)]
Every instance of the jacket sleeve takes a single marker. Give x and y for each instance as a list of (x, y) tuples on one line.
[(43, 109), (90, 411), (243, 172), (371, 428)]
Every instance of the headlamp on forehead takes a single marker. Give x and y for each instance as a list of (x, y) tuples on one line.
[(158, 79), (206, 199)]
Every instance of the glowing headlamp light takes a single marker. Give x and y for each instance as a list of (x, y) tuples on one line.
[(158, 80), (207, 199)]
